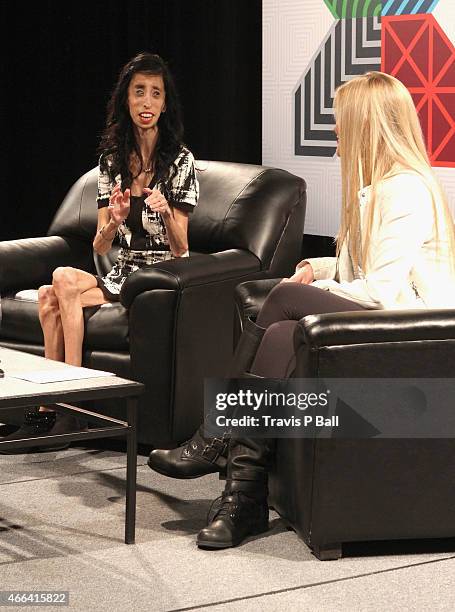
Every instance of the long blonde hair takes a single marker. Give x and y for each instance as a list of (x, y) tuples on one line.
[(379, 135)]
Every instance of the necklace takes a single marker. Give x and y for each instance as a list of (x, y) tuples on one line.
[(147, 170)]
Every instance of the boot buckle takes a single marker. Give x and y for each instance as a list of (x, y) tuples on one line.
[(213, 450)]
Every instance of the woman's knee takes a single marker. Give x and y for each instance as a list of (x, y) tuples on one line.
[(46, 296), (47, 300), (279, 332), (276, 306), (278, 338), (276, 350), (286, 301), (64, 282), (287, 292)]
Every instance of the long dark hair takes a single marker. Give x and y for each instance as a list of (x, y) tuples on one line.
[(118, 141)]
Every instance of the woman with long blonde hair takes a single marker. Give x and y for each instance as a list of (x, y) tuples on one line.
[(395, 249), (399, 236)]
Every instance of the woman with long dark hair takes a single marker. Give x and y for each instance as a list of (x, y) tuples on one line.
[(147, 186), (395, 249)]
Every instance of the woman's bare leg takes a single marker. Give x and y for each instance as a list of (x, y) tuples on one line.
[(75, 289), (51, 323)]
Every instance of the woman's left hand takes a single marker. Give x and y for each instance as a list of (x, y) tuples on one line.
[(156, 201), (303, 274)]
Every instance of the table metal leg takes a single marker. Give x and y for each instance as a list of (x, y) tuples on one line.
[(131, 471)]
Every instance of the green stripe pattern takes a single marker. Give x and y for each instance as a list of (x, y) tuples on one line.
[(353, 9)]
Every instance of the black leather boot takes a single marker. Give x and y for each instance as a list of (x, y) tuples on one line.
[(198, 457), (64, 423), (38, 423), (246, 349), (202, 454), (240, 512)]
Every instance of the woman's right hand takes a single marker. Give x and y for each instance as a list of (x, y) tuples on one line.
[(119, 204), (303, 274)]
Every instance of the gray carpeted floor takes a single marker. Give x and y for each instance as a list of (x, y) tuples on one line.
[(62, 523)]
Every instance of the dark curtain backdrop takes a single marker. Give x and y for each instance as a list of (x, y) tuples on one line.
[(61, 61)]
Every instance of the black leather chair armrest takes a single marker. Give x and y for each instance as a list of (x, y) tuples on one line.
[(251, 295), (177, 274), (29, 263), (374, 326)]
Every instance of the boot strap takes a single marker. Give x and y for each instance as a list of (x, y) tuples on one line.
[(215, 449)]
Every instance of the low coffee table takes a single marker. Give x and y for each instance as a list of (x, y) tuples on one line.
[(16, 393)]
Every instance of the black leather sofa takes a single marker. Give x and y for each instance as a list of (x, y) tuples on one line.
[(174, 324), (335, 491)]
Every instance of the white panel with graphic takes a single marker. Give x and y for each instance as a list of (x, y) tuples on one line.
[(312, 46)]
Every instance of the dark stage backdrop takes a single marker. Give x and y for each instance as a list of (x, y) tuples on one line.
[(60, 60)]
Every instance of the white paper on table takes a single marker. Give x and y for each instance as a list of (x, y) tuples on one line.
[(59, 375)]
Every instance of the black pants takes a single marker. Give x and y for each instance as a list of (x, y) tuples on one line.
[(286, 304)]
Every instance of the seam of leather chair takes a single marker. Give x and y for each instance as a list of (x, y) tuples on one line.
[(277, 245), (169, 273), (343, 345), (234, 201), (309, 340), (206, 282), (224, 280), (215, 281), (173, 364), (311, 492), (80, 199)]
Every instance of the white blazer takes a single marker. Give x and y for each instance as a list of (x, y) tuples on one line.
[(404, 267)]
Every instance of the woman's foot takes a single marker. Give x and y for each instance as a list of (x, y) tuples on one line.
[(197, 457), (41, 423), (233, 517), (64, 423)]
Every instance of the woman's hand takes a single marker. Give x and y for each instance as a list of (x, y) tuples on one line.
[(156, 201), (119, 204), (175, 220), (303, 274)]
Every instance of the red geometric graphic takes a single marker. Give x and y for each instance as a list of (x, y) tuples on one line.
[(416, 51)]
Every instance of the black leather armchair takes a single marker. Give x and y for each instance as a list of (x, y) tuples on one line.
[(334, 491), (174, 323)]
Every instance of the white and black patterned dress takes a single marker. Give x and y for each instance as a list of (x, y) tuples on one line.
[(143, 237)]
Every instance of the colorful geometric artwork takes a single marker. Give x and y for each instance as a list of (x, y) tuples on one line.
[(407, 7), (416, 50), (400, 37), (351, 9), (351, 47)]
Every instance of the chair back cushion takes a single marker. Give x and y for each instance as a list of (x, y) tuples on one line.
[(243, 206), (77, 215)]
